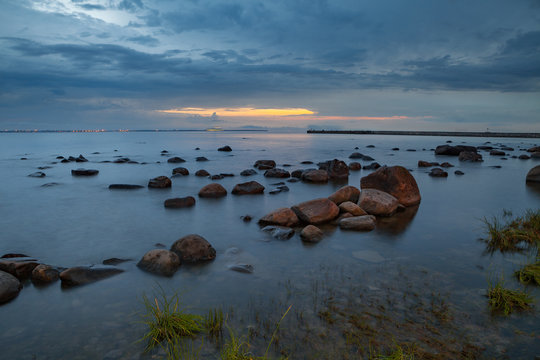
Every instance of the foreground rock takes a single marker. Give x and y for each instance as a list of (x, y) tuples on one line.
[(248, 188), (160, 262), (316, 211), (533, 176), (84, 172), (193, 248), (358, 223), (177, 203), (352, 208), (311, 234), (282, 216), (337, 169), (279, 232), (161, 182), (376, 202), (21, 267), (43, 274), (396, 181), (453, 150), (315, 176), (9, 287), (346, 193), (213, 190), (81, 275), (124, 187)]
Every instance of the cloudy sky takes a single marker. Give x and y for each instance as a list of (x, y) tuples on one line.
[(340, 64)]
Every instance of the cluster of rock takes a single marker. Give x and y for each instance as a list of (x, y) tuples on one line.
[(382, 193)]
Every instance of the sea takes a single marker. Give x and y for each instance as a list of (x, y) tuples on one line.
[(430, 257)]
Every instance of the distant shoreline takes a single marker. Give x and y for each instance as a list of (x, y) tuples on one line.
[(429, 133), (127, 130)]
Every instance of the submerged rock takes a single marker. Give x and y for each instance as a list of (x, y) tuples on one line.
[(9, 287), (193, 248), (38, 174), (264, 164), (21, 267), (201, 158), (226, 148), (81, 275), (114, 261), (282, 216), (396, 181), (202, 172), (470, 156), (279, 232), (453, 150), (336, 169), (422, 163), (437, 172), (355, 166), (243, 268), (277, 173), (248, 172), (176, 160), (180, 171), (160, 262)]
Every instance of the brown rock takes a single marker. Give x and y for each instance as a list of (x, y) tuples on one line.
[(21, 268), (81, 275), (534, 149), (350, 207), (248, 188), (470, 156), (315, 176), (341, 216), (311, 234), (176, 203), (336, 169), (282, 217), (376, 202), (180, 171), (45, 274), (355, 166), (9, 287), (437, 172), (160, 261), (277, 173), (422, 163), (533, 176), (316, 211), (161, 182), (265, 164), (175, 160), (193, 248), (358, 223), (346, 193), (202, 172), (213, 190), (395, 180)]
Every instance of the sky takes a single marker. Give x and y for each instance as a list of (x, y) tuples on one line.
[(454, 65)]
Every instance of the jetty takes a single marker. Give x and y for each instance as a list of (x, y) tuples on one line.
[(430, 133)]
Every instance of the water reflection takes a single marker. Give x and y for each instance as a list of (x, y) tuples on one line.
[(397, 223), (533, 189)]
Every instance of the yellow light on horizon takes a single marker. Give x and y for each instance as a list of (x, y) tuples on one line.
[(239, 112)]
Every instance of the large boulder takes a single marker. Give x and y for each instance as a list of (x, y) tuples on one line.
[(533, 176), (193, 248), (376, 202), (276, 173), (160, 261), (396, 181), (453, 150), (177, 203), (282, 216), (358, 223), (311, 234), (44, 274), (248, 188), (213, 190), (9, 287), (470, 156), (316, 211), (21, 267), (315, 176), (81, 275), (346, 193), (160, 182), (352, 208), (336, 169)]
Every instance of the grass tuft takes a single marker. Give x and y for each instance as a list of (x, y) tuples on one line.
[(503, 300), (530, 273), (213, 323), (515, 235), (405, 352)]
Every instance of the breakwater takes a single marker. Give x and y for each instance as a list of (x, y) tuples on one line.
[(430, 133)]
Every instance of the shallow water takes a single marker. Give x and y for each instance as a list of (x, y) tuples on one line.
[(80, 222)]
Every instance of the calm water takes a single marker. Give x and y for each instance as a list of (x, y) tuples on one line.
[(81, 222)]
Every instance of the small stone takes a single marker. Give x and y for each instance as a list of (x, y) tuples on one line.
[(175, 160), (213, 190), (437, 172), (160, 182), (44, 274), (459, 172), (226, 148), (311, 234), (202, 173), (177, 203), (124, 187), (38, 174), (201, 158), (180, 171)]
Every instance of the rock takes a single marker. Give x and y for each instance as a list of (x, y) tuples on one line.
[(160, 182), (279, 232), (524, 157), (242, 268), (175, 160), (372, 166), (213, 190), (282, 217), (38, 174), (122, 160), (315, 176), (81, 275), (507, 148), (357, 155), (355, 166), (484, 147), (534, 149), (274, 191), (396, 181), (202, 172), (246, 218), (377, 202), (422, 163), (50, 184), (84, 172), (311, 234), (533, 176), (346, 193), (250, 187), (44, 167), (459, 172), (341, 216), (201, 158), (193, 248), (352, 208), (292, 180), (44, 274), (277, 173), (306, 162), (336, 169), (180, 171), (453, 150), (358, 223), (177, 203), (446, 165), (395, 149), (411, 150), (297, 174), (226, 174), (470, 156), (64, 161), (114, 261), (12, 255), (21, 268), (124, 187), (160, 261), (437, 172), (164, 152), (535, 155), (81, 159), (264, 164), (248, 172), (316, 211), (283, 188), (497, 153), (9, 287), (226, 148), (216, 177)]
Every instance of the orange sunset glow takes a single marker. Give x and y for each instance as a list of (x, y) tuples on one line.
[(239, 112)]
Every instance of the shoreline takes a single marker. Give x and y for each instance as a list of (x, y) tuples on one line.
[(429, 133)]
